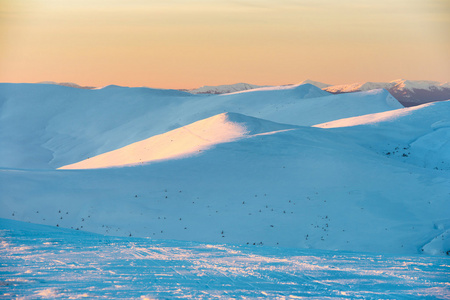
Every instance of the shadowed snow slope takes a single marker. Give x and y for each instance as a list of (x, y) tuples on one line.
[(49, 126), (184, 141), (418, 135)]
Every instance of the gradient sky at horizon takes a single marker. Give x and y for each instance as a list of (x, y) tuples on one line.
[(186, 44)]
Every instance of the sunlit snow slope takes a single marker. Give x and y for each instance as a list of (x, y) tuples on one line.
[(182, 142)]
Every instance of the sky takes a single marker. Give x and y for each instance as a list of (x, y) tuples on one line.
[(187, 44)]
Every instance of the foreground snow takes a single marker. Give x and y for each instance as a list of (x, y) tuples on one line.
[(47, 262)]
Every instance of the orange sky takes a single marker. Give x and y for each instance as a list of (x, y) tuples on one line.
[(186, 44)]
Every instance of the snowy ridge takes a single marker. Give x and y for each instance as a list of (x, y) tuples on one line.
[(239, 87), (408, 92), (423, 132), (68, 84), (182, 142), (372, 118), (399, 84), (71, 125), (411, 85), (224, 89), (313, 91), (320, 85)]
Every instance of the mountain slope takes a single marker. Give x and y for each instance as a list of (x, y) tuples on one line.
[(224, 89), (68, 84), (408, 92), (307, 187), (421, 135), (239, 87), (320, 85), (49, 126), (303, 105), (182, 142)]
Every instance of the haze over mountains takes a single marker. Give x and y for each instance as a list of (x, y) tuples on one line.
[(291, 166)]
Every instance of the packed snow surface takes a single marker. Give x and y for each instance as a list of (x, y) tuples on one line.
[(47, 262)]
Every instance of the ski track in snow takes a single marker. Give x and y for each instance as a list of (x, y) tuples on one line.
[(43, 262)]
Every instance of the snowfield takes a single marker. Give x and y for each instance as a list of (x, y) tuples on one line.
[(42, 262), (259, 186)]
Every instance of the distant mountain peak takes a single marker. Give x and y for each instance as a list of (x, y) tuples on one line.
[(320, 85), (225, 89), (408, 92), (239, 87), (68, 84)]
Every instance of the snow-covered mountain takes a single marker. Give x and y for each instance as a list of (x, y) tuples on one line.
[(49, 126), (183, 142), (238, 87), (228, 162), (224, 89), (320, 85), (69, 84), (408, 92)]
